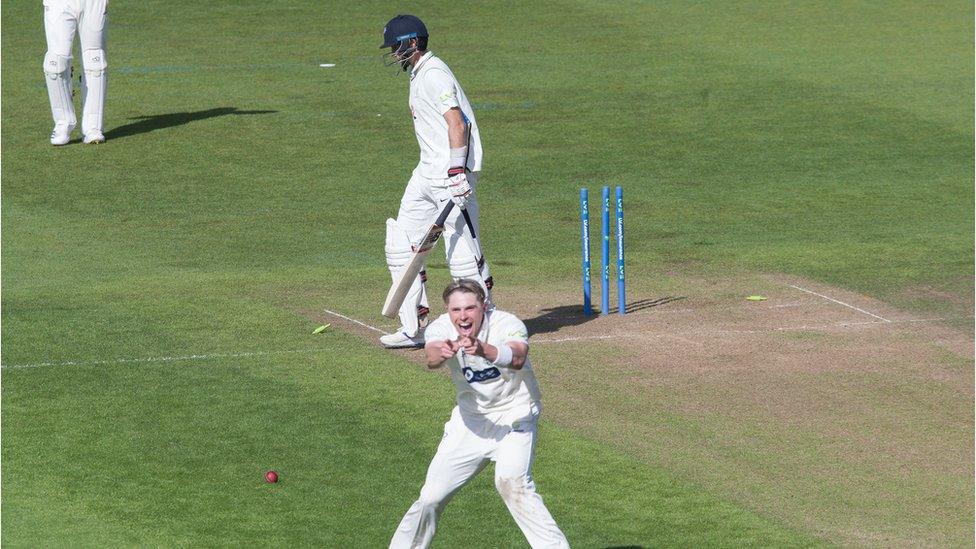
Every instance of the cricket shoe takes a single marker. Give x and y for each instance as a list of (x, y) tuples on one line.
[(400, 340), (61, 134), (94, 137)]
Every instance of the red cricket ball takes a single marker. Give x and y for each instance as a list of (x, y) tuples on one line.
[(271, 477)]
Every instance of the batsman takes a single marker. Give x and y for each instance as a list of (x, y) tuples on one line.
[(62, 20), (448, 171)]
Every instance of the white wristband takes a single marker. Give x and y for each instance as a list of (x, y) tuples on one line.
[(504, 357), (459, 157)]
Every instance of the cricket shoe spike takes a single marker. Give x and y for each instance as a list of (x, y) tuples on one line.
[(94, 137), (400, 340), (61, 134)]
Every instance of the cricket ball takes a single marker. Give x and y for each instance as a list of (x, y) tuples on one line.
[(271, 477)]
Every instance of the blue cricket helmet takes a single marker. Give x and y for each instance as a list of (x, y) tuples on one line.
[(401, 28), (397, 35)]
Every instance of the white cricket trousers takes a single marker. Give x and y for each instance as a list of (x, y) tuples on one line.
[(469, 443), (62, 19), (422, 201)]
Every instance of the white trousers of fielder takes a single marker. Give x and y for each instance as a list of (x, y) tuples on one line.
[(422, 200), (62, 20), (469, 443)]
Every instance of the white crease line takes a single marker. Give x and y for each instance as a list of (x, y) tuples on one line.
[(363, 324), (681, 339), (785, 305), (214, 356), (934, 319), (159, 359), (839, 302), (581, 338), (803, 327)]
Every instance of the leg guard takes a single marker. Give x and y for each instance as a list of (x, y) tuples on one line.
[(398, 253), (57, 69), (466, 261), (93, 87)]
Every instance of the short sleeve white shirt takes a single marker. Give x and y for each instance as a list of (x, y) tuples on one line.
[(483, 388), (434, 91)]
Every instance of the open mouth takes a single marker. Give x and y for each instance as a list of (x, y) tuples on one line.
[(465, 328)]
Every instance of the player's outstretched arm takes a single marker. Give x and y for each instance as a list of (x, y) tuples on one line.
[(439, 351), (520, 351), (511, 354)]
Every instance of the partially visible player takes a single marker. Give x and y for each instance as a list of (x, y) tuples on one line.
[(62, 18), (449, 168), (496, 417)]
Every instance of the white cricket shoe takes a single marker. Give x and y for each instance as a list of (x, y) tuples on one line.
[(61, 134), (400, 340), (94, 137)]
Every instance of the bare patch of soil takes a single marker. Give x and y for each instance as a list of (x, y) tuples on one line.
[(831, 410)]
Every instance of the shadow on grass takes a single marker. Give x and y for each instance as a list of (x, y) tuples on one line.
[(153, 122), (551, 320), (642, 304)]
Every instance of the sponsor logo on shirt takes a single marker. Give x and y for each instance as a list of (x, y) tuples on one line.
[(477, 376)]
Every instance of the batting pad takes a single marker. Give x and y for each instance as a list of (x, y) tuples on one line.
[(93, 87), (399, 251), (465, 264), (57, 68)]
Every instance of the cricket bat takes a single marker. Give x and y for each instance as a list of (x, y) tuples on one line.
[(397, 293)]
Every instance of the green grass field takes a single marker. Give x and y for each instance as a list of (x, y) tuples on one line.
[(159, 291)]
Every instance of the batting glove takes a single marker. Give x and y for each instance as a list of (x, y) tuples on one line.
[(457, 182)]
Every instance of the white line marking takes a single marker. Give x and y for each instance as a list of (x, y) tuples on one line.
[(326, 65), (580, 338), (363, 324), (214, 356), (883, 319), (599, 337), (802, 327), (934, 319), (686, 341), (210, 356), (785, 305)]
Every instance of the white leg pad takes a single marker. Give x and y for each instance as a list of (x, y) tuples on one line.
[(398, 254), (93, 86), (57, 69), (464, 264)]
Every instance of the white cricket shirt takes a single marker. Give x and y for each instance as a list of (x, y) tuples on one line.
[(481, 386), (434, 91)]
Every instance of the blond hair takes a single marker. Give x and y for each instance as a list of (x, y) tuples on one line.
[(464, 285)]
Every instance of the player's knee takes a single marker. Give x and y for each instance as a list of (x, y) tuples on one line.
[(398, 248), (468, 266), (465, 264), (465, 268), (432, 498), (94, 61), (512, 488), (56, 65)]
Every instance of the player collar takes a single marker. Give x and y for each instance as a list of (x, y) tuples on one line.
[(420, 63)]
